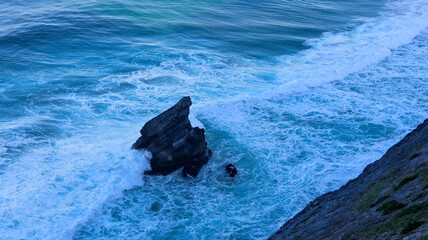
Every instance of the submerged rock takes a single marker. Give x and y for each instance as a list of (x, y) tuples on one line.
[(231, 170), (173, 142)]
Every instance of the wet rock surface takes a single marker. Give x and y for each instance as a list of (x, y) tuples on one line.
[(388, 200), (231, 170), (173, 142)]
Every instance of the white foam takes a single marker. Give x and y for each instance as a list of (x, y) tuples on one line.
[(134, 164), (53, 189), (216, 78), (261, 126), (194, 121), (311, 142), (50, 191), (337, 55)]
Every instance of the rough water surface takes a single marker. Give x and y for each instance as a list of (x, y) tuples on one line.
[(299, 95)]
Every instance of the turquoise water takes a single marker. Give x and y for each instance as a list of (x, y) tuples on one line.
[(299, 95)]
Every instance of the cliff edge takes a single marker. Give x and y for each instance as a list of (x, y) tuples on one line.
[(387, 201)]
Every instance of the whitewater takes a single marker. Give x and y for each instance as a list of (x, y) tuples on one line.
[(296, 124)]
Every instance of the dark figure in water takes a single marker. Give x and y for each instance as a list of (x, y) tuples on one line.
[(231, 170)]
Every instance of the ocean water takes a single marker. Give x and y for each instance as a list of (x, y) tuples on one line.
[(299, 95)]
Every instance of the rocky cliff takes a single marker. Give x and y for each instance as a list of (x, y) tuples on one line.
[(387, 201)]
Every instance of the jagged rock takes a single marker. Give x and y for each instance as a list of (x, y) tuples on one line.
[(173, 142)]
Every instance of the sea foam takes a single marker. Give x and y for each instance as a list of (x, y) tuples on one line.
[(55, 188), (260, 115), (337, 55)]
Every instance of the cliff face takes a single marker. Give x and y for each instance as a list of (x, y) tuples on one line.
[(387, 201)]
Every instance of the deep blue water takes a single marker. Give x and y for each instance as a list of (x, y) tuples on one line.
[(300, 95)]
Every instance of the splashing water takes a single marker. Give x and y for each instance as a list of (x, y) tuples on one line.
[(299, 95)]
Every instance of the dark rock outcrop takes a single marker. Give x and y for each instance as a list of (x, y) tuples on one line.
[(388, 200), (231, 170), (173, 142)]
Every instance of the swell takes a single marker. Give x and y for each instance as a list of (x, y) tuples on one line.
[(291, 145), (208, 79), (335, 56), (331, 57)]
